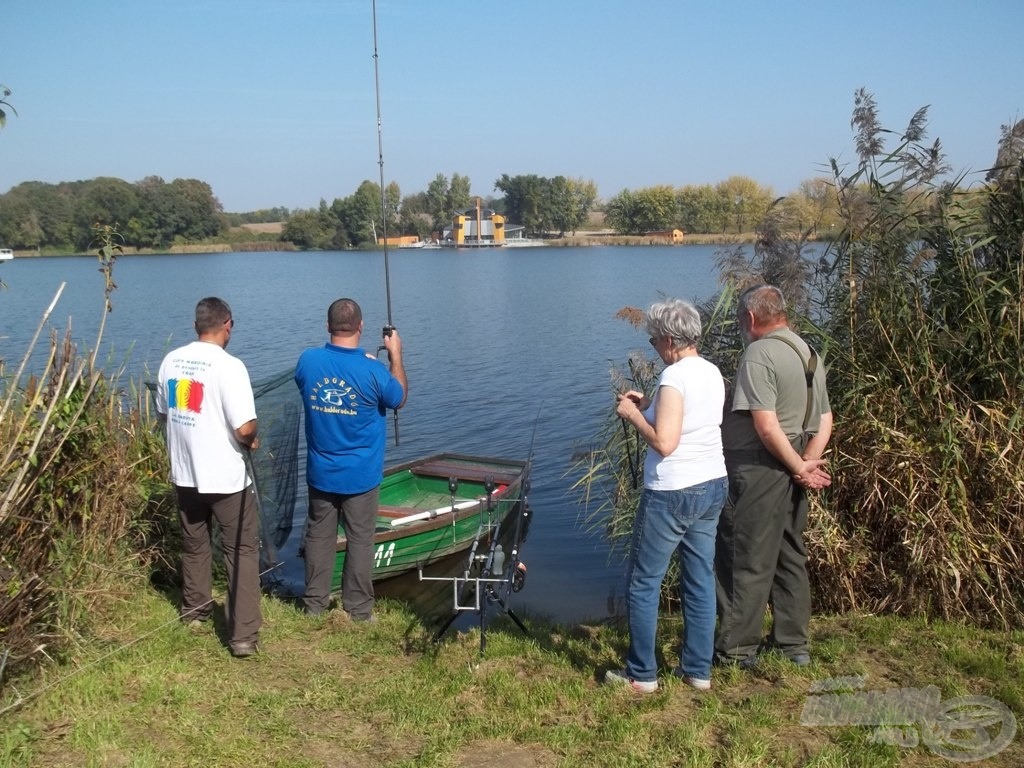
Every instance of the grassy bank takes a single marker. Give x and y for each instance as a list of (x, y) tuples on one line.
[(148, 691)]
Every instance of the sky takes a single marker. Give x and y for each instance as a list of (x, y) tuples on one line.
[(273, 102)]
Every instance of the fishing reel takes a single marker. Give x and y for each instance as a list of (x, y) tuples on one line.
[(519, 576), (386, 331), (489, 486)]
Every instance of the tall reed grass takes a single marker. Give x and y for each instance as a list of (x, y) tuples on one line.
[(917, 309), (79, 468), (924, 312)]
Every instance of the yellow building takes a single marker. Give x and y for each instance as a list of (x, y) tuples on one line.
[(478, 228)]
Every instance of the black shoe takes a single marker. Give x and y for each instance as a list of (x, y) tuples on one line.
[(748, 662), (242, 650)]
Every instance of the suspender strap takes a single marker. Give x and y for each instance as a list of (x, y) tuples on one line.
[(809, 368)]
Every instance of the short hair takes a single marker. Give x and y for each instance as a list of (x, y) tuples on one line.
[(676, 319), (344, 316), (211, 314), (765, 302)]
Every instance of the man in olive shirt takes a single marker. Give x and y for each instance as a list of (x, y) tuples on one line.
[(773, 437)]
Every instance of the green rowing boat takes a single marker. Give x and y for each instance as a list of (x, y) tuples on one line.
[(437, 506)]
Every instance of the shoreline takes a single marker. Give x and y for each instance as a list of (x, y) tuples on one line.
[(587, 240)]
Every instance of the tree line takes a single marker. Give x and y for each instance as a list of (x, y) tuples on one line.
[(150, 213), (154, 214)]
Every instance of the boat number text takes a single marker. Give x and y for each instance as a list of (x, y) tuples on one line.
[(383, 554)]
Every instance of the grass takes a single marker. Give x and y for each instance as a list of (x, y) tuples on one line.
[(148, 691)]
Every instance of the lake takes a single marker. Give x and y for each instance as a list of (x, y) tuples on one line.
[(507, 351)]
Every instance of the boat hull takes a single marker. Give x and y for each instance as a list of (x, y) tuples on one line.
[(421, 519)]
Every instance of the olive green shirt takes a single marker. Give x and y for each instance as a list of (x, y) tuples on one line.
[(771, 377)]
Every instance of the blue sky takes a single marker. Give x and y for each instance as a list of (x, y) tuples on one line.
[(272, 102)]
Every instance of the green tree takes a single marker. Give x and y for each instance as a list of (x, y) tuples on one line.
[(443, 199), (525, 198), (359, 214), (413, 218), (645, 210), (749, 201), (458, 197), (569, 203), (622, 213), (306, 229), (701, 209), (198, 211), (436, 202), (105, 201), (34, 214)]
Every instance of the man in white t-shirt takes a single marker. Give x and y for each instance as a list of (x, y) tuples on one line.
[(205, 399)]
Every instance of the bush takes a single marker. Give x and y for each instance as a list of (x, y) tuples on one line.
[(81, 473)]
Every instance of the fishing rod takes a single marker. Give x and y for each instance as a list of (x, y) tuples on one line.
[(498, 574), (383, 198)]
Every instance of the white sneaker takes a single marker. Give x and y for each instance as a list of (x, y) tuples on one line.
[(697, 683), (619, 677)]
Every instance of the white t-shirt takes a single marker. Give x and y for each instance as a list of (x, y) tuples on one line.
[(698, 457), (206, 395)]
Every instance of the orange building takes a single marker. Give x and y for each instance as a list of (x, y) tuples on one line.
[(673, 236)]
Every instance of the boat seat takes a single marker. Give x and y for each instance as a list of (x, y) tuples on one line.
[(388, 510), (463, 472)]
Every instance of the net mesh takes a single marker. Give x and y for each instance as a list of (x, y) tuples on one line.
[(275, 464)]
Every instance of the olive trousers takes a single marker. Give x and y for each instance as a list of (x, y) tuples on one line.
[(761, 561)]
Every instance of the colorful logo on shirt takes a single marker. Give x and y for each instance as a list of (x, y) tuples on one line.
[(185, 395)]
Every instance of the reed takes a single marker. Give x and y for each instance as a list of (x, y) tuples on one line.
[(916, 308), (78, 468), (926, 380)]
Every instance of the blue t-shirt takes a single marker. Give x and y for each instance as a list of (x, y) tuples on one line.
[(345, 395)]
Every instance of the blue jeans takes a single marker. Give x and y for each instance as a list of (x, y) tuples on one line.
[(668, 521)]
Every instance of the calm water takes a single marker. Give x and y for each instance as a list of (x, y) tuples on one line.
[(506, 350)]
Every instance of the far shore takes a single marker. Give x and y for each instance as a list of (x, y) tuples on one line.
[(580, 239)]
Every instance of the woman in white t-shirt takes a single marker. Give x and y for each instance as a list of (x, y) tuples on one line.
[(684, 492)]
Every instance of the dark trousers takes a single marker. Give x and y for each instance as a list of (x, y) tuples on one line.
[(237, 515), (761, 560), (357, 514)]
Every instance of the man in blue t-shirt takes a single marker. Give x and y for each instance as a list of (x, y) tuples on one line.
[(346, 394)]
